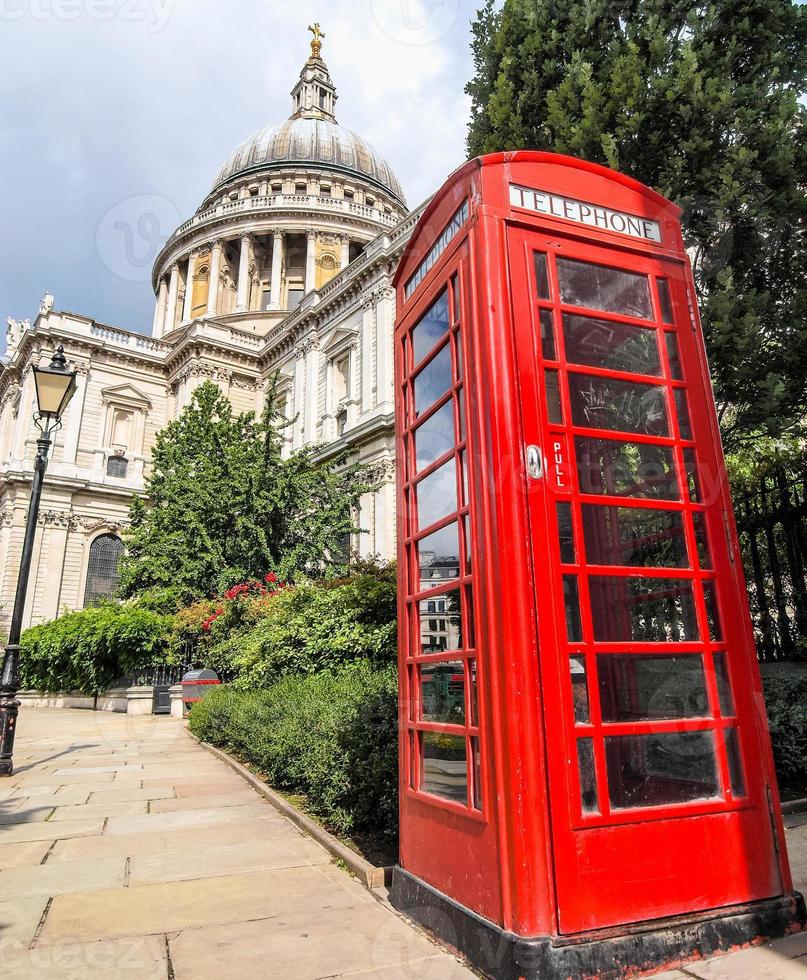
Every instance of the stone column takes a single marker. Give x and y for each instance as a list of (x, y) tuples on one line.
[(242, 296), (173, 293), (187, 310), (213, 278), (277, 267), (310, 261), (159, 314), (345, 257), (311, 393), (385, 322), (367, 354)]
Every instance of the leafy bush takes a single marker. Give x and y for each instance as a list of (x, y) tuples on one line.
[(87, 650), (329, 736), (786, 700)]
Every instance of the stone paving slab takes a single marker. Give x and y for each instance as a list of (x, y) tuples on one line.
[(15, 855), (139, 958), (19, 920), (59, 878)]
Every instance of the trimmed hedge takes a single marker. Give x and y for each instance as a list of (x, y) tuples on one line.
[(332, 737), (89, 650), (786, 701)]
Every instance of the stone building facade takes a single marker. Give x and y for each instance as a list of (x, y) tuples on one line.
[(286, 268)]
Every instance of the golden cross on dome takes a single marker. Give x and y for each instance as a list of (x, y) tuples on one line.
[(316, 43)]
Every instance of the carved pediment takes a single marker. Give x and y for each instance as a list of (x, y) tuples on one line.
[(126, 395)]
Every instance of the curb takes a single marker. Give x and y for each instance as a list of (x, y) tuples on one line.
[(369, 875), (795, 806)]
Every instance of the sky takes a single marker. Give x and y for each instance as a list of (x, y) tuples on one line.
[(115, 116)]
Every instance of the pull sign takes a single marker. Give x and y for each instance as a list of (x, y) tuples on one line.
[(558, 471), (535, 464)]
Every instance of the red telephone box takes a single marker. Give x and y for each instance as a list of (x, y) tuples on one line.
[(587, 785)]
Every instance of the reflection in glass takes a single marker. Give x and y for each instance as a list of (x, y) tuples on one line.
[(461, 412), (541, 275), (682, 410), (673, 356), (437, 494), (645, 687), (430, 328), (660, 768), (477, 795), (701, 539), (625, 406), (664, 300), (455, 288), (474, 694), (723, 685), (466, 498), (442, 692), (565, 533), (433, 381), (412, 761), (548, 336), (470, 626), (735, 766), (693, 483), (553, 408), (642, 609), (438, 556), (466, 526), (435, 436), (634, 536), (588, 776), (626, 469), (458, 353), (602, 288), (577, 667), (443, 766), (606, 344), (571, 602), (440, 623), (712, 615)]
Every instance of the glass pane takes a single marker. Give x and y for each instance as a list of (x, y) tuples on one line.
[(548, 336), (723, 685), (461, 412), (664, 300), (466, 497), (438, 557), (433, 381), (602, 288), (553, 397), (437, 494), (634, 536), (692, 476), (662, 768), (712, 615), (644, 687), (565, 533), (466, 524), (444, 766), (477, 774), (442, 692), (673, 357), (604, 344), (455, 288), (441, 623), (412, 761), (469, 617), (625, 406), (682, 410), (626, 469), (474, 694), (588, 776), (541, 275), (735, 766), (458, 353), (701, 539), (435, 436), (654, 610), (577, 667), (571, 601), (430, 328)]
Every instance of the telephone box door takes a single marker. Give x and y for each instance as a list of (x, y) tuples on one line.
[(644, 645)]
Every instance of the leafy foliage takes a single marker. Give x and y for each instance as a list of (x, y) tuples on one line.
[(704, 102), (786, 701), (329, 736), (88, 650), (225, 504)]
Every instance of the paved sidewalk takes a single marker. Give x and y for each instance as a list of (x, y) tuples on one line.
[(128, 851)]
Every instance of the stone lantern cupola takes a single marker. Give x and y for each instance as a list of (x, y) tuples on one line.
[(314, 96)]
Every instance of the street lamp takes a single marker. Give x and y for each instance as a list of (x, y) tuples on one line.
[(55, 385)]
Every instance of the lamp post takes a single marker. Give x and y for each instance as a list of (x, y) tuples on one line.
[(55, 385)]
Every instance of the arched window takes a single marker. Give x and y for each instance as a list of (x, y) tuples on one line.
[(117, 466), (102, 568)]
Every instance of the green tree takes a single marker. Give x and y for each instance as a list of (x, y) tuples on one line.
[(701, 101), (224, 505)]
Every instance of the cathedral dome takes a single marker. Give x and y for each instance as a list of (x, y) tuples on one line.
[(316, 141)]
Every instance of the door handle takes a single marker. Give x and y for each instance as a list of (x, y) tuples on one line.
[(535, 463)]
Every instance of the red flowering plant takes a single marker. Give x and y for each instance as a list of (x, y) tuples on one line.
[(242, 603)]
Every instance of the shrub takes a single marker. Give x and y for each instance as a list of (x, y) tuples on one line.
[(786, 700), (88, 650), (329, 736)]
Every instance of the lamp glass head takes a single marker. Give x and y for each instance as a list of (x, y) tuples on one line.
[(55, 385)]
